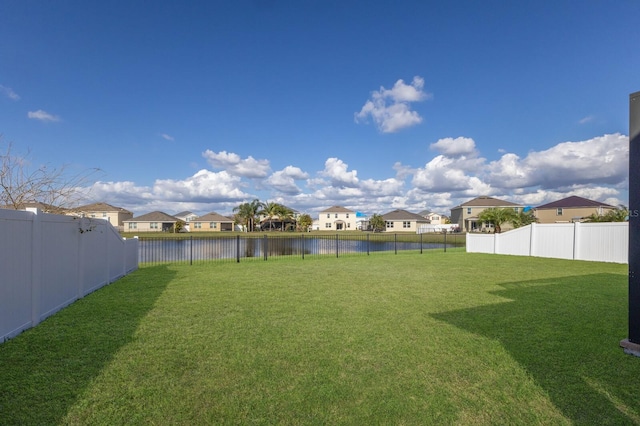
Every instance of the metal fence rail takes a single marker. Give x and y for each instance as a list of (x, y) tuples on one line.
[(236, 248)]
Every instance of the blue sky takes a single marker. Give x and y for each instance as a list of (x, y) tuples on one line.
[(369, 105)]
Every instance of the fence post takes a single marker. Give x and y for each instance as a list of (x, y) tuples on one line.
[(368, 235), (191, 249), (302, 235), (36, 270), (265, 246), (421, 243), (395, 243), (445, 240), (237, 248), (576, 240), (336, 245)]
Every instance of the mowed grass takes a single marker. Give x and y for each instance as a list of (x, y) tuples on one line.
[(438, 338)]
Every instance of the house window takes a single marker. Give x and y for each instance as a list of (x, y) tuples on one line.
[(406, 224), (559, 211), (104, 214), (389, 224), (153, 225), (347, 215), (197, 225), (328, 215), (133, 225), (336, 215), (516, 209), (213, 225), (348, 224), (468, 210), (327, 225)]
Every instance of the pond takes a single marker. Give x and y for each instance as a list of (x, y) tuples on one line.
[(237, 247)]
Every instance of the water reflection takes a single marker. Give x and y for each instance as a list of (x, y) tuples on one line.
[(194, 249)]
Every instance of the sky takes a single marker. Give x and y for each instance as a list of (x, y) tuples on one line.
[(370, 105)]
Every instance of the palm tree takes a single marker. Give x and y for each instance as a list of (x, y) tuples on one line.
[(270, 210), (523, 219), (285, 214), (247, 212), (497, 217)]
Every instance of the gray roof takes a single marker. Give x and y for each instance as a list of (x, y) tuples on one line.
[(573, 201), (184, 213), (154, 217), (100, 207), (485, 201), (213, 217), (403, 215), (337, 209)]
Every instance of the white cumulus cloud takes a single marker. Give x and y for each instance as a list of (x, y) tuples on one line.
[(336, 171), (248, 167), (455, 147), (285, 180), (390, 109)]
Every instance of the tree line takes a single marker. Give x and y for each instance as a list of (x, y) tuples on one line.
[(248, 215)]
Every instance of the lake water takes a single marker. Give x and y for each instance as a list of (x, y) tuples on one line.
[(194, 249)]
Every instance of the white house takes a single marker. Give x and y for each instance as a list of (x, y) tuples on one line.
[(337, 218)]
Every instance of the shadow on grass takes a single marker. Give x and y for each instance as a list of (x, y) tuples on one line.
[(46, 368), (565, 332)]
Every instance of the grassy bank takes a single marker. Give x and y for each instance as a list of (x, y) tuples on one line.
[(390, 339)]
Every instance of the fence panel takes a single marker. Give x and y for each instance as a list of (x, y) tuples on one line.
[(605, 242), (48, 261), (553, 240), (516, 242), (60, 263), (602, 242), (481, 243), (15, 255)]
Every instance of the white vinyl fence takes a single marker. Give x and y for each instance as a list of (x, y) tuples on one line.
[(48, 261), (602, 242)]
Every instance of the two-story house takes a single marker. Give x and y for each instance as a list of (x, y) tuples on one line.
[(466, 214), (570, 209), (337, 218), (114, 215)]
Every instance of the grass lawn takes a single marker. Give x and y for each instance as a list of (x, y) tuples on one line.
[(448, 338)]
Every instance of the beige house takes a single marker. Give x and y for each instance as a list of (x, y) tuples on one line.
[(403, 221), (211, 222), (570, 209), (114, 215), (337, 218), (466, 214), (432, 218), (150, 222)]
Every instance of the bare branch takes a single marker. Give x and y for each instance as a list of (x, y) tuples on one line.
[(54, 188)]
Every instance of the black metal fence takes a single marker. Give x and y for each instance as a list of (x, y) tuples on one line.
[(234, 248)]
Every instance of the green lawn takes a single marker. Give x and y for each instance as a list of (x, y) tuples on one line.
[(448, 338)]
